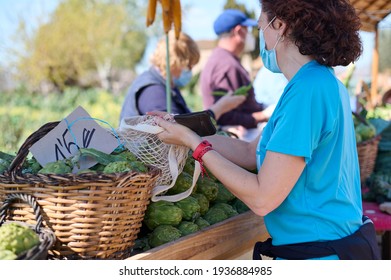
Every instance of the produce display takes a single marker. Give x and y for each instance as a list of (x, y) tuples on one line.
[(16, 239), (363, 131), (120, 160), (379, 187), (209, 203)]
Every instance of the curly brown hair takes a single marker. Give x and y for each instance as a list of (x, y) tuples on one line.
[(327, 30)]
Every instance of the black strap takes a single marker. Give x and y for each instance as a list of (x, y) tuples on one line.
[(361, 245)]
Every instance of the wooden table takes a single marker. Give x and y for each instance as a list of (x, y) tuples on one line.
[(229, 239)]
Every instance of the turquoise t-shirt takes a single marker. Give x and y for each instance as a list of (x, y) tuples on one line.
[(313, 119)]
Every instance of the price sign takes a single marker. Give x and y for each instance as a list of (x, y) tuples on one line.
[(78, 130)]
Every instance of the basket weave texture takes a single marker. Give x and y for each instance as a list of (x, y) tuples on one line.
[(93, 215), (367, 152), (46, 236)]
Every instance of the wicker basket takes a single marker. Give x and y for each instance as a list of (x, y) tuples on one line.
[(93, 215), (46, 236), (367, 153)]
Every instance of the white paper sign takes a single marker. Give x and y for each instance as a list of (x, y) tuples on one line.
[(78, 130)]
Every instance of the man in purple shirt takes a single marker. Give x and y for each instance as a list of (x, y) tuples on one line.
[(224, 72)]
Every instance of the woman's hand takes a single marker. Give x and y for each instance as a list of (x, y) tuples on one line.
[(174, 133)]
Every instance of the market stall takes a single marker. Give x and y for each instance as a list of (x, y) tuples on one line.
[(230, 239), (371, 12)]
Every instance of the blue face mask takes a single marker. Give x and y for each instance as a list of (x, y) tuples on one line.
[(183, 79), (269, 57)]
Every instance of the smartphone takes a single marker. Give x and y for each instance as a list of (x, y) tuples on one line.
[(200, 122)]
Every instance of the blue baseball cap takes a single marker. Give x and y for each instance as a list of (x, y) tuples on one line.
[(231, 18)]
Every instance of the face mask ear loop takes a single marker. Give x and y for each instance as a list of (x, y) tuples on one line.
[(268, 24), (278, 40)]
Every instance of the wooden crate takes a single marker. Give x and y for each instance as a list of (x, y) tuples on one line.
[(229, 239)]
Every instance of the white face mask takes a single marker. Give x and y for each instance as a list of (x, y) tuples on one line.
[(249, 43)]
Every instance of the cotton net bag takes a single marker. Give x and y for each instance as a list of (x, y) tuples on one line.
[(139, 135)]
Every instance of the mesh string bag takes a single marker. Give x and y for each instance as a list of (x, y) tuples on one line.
[(139, 135)]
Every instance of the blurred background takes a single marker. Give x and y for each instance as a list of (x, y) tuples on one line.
[(58, 54)]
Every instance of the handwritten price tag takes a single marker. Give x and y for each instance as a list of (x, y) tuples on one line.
[(78, 130)]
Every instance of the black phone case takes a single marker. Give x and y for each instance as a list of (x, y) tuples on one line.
[(199, 122)]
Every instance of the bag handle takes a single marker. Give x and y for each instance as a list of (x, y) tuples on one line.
[(172, 162), (360, 118)]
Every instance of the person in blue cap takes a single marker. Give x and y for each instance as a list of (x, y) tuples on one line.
[(224, 72)]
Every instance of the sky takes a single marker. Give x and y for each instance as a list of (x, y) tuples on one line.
[(197, 21)]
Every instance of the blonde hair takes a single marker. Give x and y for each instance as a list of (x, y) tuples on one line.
[(183, 52)]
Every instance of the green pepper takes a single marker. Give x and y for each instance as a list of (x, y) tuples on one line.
[(243, 90)]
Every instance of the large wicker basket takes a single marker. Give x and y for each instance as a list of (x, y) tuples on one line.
[(46, 236), (367, 153), (93, 215)]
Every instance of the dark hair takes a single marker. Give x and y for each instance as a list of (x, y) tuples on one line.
[(327, 30)]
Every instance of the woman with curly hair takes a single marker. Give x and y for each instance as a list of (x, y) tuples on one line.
[(307, 186)]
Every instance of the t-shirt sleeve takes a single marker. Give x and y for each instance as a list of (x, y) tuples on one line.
[(297, 124), (152, 98)]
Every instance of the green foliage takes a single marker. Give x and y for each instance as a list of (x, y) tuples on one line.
[(83, 37), (23, 112)]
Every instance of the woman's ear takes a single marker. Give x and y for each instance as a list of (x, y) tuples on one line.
[(280, 26)]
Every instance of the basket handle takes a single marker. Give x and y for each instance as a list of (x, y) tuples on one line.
[(360, 118), (29, 199), (16, 165)]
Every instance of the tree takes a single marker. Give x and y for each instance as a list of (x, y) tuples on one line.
[(83, 37)]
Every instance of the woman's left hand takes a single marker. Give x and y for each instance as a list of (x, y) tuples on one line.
[(174, 133)]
